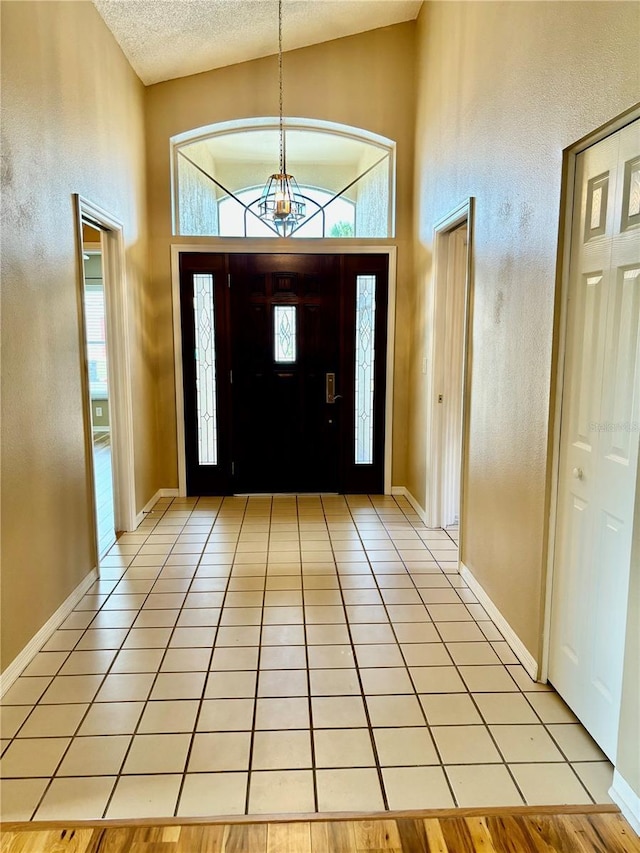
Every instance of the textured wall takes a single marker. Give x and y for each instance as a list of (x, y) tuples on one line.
[(365, 81), (503, 88), (72, 121)]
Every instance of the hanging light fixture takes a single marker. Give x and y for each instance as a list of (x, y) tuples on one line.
[(281, 203)]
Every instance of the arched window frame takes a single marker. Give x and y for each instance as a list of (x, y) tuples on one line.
[(386, 146)]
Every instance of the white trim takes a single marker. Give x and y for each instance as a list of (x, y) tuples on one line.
[(463, 213), (272, 122), (20, 663), (118, 354), (403, 491), (247, 246), (562, 291), (391, 348), (177, 364), (627, 800), (146, 509), (513, 641)]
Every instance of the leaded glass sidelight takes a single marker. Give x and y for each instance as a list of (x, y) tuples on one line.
[(365, 358), (284, 334), (205, 357)]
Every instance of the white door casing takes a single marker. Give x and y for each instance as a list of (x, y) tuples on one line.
[(599, 436), (448, 364), (453, 369), (119, 358)]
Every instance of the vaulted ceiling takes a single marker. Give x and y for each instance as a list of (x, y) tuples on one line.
[(164, 39)]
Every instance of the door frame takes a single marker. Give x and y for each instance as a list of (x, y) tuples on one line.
[(118, 363), (463, 214), (256, 246), (558, 355)]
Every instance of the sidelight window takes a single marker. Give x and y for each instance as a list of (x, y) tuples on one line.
[(365, 362), (205, 358)]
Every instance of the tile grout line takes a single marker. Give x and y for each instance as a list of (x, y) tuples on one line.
[(194, 730), (409, 673), (339, 577), (250, 770), (487, 725), (145, 702), (90, 704), (374, 747), (314, 767)]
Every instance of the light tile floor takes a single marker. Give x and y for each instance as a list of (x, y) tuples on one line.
[(284, 655), (102, 468)]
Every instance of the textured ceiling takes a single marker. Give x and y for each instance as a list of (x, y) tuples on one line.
[(164, 39)]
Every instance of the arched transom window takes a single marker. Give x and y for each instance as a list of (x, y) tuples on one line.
[(345, 175)]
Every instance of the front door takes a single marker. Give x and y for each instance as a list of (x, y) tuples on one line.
[(599, 436), (284, 362)]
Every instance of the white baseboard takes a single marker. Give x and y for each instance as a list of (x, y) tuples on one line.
[(403, 491), (20, 663), (514, 642), (169, 493), (628, 801), (161, 493)]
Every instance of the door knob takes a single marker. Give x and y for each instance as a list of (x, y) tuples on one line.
[(578, 473)]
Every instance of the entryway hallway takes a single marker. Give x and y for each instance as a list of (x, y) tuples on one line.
[(278, 655)]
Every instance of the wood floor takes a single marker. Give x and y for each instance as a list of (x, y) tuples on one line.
[(469, 831)]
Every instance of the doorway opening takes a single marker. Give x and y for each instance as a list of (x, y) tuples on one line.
[(283, 372), (450, 366), (97, 362), (106, 373)]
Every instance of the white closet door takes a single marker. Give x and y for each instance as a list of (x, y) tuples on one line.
[(599, 436)]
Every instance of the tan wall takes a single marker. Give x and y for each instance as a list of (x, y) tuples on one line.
[(365, 81), (502, 89), (72, 121)]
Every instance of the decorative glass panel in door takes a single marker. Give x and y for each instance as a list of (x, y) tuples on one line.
[(205, 356), (365, 360), (205, 373)]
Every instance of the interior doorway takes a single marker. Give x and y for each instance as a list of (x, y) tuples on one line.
[(95, 327), (284, 372), (450, 358), (106, 373)]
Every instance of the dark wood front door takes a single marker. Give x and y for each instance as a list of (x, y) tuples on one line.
[(284, 361)]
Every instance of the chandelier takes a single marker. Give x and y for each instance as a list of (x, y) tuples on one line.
[(281, 203)]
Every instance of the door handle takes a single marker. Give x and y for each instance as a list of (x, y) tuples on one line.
[(330, 386)]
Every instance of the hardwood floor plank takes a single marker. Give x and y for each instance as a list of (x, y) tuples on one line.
[(464, 832), (613, 833), (377, 835), (435, 838), (480, 835), (413, 835), (333, 837), (54, 840), (516, 832), (112, 840), (201, 839), (457, 836), (245, 838), (289, 838)]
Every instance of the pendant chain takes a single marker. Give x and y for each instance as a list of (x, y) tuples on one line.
[(283, 154)]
